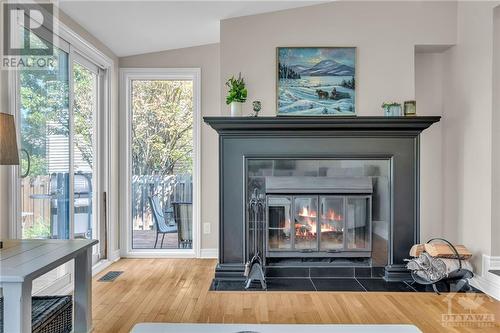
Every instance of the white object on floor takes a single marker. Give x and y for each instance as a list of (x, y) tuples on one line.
[(22, 261), (270, 328)]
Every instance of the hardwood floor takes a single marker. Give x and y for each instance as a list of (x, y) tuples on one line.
[(176, 290)]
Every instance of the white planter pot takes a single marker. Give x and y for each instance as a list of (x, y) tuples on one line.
[(236, 108)]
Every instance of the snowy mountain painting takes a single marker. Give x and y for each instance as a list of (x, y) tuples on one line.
[(316, 81)]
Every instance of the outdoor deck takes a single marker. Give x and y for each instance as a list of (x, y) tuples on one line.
[(145, 239)]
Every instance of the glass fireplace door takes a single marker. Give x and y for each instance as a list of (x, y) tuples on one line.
[(332, 223), (358, 233), (279, 228), (306, 209)]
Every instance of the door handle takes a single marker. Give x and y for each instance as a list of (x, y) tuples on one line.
[(24, 175)]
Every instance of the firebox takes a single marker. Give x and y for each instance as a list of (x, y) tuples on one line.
[(318, 216)]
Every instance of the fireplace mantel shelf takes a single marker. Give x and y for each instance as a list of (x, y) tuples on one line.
[(225, 124)]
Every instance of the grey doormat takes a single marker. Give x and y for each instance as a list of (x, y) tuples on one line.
[(110, 276)]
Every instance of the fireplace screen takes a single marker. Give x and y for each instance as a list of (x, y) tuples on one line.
[(320, 224)]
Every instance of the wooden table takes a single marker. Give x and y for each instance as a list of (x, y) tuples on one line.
[(22, 261), (270, 328)]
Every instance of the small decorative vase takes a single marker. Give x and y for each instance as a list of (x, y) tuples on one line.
[(257, 106), (236, 108), (393, 111), (410, 108)]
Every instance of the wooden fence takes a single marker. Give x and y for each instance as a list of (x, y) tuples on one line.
[(169, 189), (34, 207)]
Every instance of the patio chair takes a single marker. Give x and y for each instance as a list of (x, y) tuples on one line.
[(159, 220), (183, 216)]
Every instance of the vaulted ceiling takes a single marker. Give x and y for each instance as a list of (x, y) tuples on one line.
[(136, 27)]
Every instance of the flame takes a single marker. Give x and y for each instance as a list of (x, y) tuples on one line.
[(332, 216), (307, 228), (305, 213)]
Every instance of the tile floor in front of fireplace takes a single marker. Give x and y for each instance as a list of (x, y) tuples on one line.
[(330, 279), (319, 284)]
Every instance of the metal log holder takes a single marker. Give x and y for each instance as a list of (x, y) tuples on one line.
[(254, 268), (460, 276)]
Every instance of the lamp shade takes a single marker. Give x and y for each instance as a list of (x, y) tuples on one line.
[(8, 145)]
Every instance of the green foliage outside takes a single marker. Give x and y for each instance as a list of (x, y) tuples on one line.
[(40, 229), (162, 127)]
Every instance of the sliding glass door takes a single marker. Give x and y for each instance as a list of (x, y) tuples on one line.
[(44, 125), (58, 109)]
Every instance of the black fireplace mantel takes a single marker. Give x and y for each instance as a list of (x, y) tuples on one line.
[(341, 124), (393, 138)]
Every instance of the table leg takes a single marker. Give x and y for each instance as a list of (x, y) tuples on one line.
[(17, 307), (83, 292)]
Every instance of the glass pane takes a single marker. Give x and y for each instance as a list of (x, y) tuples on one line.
[(162, 163), (279, 211), (85, 105), (44, 131), (332, 223), (306, 209), (357, 223)]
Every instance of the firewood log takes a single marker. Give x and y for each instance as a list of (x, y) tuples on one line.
[(444, 251), (416, 250)]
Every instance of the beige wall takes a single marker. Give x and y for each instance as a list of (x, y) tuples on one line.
[(429, 97), (495, 213), (384, 33), (207, 58), (467, 131)]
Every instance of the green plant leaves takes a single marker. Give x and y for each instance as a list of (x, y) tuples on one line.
[(237, 91)]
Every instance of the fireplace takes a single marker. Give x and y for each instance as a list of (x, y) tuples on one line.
[(318, 217), (337, 191)]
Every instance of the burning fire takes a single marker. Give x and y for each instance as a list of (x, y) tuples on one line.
[(307, 228), (305, 213), (332, 216)]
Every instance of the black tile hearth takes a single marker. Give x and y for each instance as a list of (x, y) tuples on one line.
[(363, 272), (332, 272), (295, 272), (337, 284), (378, 272), (382, 285), (284, 284), (495, 271), (328, 284), (222, 285)]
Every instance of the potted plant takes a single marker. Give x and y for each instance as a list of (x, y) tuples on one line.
[(236, 95), (392, 109)]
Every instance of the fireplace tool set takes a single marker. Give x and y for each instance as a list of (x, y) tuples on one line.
[(254, 268)]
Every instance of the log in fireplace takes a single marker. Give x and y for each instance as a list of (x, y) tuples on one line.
[(318, 217)]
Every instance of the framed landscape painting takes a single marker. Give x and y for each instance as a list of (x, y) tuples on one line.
[(316, 81)]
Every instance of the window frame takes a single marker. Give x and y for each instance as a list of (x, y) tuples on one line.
[(127, 75)]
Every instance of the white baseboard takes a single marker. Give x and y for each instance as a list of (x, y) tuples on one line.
[(102, 265), (209, 253), (487, 282), (114, 256)]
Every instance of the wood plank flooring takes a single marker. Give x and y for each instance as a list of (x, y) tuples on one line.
[(176, 290)]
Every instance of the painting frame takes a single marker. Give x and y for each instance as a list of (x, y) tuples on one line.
[(354, 76)]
